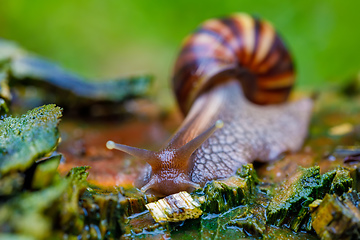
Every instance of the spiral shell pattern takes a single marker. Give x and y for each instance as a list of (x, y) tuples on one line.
[(240, 47)]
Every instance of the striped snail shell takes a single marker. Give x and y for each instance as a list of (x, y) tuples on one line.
[(225, 73), (240, 47)]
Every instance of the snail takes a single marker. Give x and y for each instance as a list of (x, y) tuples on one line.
[(226, 72)]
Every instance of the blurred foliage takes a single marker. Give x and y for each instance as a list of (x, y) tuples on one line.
[(111, 38), (34, 81)]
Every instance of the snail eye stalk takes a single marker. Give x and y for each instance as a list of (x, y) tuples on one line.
[(149, 156), (188, 149)]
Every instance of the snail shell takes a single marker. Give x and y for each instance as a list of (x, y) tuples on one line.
[(240, 47), (227, 69)]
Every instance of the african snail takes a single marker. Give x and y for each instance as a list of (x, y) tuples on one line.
[(228, 68)]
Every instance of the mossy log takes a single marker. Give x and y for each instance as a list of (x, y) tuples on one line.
[(221, 195), (338, 217), (290, 205), (28, 138)]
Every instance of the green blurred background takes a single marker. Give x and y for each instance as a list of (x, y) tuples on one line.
[(105, 39)]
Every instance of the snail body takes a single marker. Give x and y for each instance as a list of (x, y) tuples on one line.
[(227, 70)]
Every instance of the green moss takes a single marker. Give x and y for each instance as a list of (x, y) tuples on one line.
[(248, 173), (72, 220), (290, 206), (292, 194), (342, 181), (78, 174), (27, 138), (326, 183), (221, 195)]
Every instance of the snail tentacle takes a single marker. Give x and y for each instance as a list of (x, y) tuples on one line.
[(194, 144), (136, 152)]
